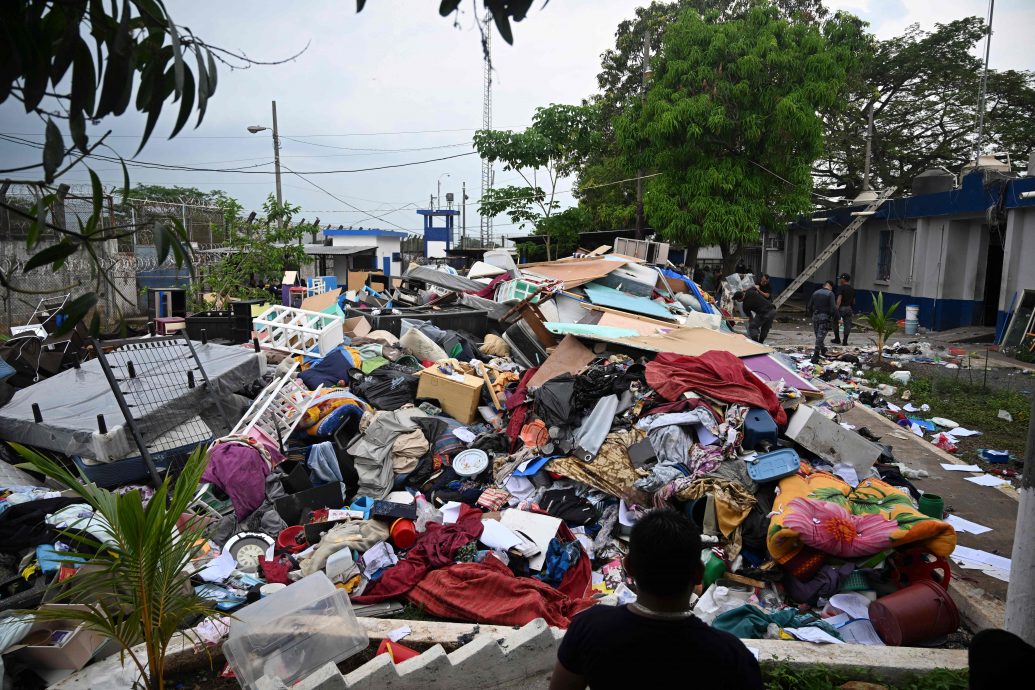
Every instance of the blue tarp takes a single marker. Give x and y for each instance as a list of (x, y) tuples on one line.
[(609, 297), (705, 306)]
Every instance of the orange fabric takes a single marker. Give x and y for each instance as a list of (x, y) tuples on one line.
[(822, 512)]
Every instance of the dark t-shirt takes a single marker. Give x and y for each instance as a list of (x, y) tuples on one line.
[(847, 293), (755, 303), (612, 647)]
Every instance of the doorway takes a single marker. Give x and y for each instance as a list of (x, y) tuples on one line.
[(993, 278), (801, 254)]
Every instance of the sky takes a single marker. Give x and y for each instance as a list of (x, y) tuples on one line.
[(373, 88)]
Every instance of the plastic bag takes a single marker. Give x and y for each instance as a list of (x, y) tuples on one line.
[(426, 513)]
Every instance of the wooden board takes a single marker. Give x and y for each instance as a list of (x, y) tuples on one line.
[(325, 300)]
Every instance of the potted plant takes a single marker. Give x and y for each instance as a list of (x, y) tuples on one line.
[(883, 323), (136, 589)]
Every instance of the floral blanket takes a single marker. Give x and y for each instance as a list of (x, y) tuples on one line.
[(824, 513)]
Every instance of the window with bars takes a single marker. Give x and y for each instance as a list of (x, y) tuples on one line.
[(884, 254)]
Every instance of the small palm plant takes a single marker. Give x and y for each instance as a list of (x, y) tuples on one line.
[(883, 323), (136, 589)]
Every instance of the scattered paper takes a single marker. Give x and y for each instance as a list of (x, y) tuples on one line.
[(754, 652), (626, 517), (536, 528), (860, 632), (219, 568), (398, 633), (464, 434), (915, 428), (213, 630), (813, 635), (450, 512), (854, 604), (379, 556), (496, 536), (838, 620), (343, 514), (705, 437), (961, 432), (848, 473), (893, 407), (962, 525), (947, 423), (952, 467), (988, 563), (1003, 414), (909, 407), (987, 480), (846, 425)]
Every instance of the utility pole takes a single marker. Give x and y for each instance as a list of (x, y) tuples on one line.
[(984, 85), (869, 141), (463, 215), (276, 159), (1020, 596), (639, 172)]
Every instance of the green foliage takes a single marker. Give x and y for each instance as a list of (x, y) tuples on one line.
[(259, 252), (555, 145), (883, 323), (731, 120), (134, 587), (784, 677)]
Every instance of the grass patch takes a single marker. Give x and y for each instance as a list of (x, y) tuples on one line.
[(971, 406), (782, 677)]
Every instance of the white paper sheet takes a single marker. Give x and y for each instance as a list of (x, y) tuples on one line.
[(464, 434), (398, 633), (838, 620), (987, 480), (496, 536), (754, 652), (854, 604), (910, 408), (960, 432), (960, 468), (450, 512), (625, 516), (860, 632), (380, 555), (813, 635), (915, 428), (893, 407), (978, 556), (705, 437), (219, 568), (962, 525), (538, 528)]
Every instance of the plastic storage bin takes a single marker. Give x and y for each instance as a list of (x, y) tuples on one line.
[(291, 633), (759, 429), (769, 467), (514, 291)]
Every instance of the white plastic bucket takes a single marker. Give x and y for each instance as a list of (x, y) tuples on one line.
[(912, 319)]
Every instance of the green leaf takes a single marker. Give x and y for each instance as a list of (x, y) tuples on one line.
[(77, 128), (203, 88), (98, 193), (54, 254), (178, 70), (360, 4), (125, 180), (162, 241), (53, 150), (74, 311), (186, 102), (84, 81), (212, 76)]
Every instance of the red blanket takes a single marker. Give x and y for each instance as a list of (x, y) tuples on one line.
[(433, 549), (717, 374), (489, 593)]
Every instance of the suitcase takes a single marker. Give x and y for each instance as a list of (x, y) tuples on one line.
[(759, 429), (768, 467)]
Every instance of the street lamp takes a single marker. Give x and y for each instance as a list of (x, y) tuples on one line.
[(438, 197), (255, 129)]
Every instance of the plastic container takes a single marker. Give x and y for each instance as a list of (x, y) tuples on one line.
[(759, 429), (932, 505), (912, 319), (768, 467), (920, 612), (514, 291), (403, 534), (289, 634)]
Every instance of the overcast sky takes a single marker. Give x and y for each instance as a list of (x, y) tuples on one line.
[(398, 76)]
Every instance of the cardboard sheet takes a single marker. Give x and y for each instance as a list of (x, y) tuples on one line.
[(536, 527), (321, 302), (574, 273), (568, 357), (696, 341), (356, 280)]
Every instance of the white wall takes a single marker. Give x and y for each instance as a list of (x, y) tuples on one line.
[(1018, 256)]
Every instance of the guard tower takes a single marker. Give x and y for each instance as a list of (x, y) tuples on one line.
[(438, 238)]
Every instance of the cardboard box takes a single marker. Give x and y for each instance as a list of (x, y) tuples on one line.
[(76, 648), (831, 441), (356, 327), (458, 394)]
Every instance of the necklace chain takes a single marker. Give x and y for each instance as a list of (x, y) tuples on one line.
[(662, 615)]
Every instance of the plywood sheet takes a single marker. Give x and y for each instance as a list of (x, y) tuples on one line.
[(325, 300), (574, 273), (696, 341), (641, 326), (567, 358)]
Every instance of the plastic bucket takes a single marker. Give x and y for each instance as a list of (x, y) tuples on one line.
[(403, 533), (932, 505), (914, 614), (292, 539), (912, 319)]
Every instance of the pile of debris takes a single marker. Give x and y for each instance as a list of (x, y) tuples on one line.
[(479, 447)]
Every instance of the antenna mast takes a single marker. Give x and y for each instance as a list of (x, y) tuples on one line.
[(486, 221)]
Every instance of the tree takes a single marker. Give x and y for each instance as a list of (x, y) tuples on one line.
[(257, 252), (731, 121), (923, 88), (133, 588), (554, 146)]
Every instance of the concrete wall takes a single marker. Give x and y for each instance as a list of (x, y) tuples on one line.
[(1018, 261)]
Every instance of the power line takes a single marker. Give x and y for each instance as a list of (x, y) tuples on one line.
[(368, 215), (350, 148), (299, 136)]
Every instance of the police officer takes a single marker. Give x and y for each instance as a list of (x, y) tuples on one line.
[(822, 307), (845, 307)]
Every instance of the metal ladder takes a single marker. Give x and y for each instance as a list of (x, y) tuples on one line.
[(828, 252)]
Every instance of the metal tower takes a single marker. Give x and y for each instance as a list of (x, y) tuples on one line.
[(487, 177)]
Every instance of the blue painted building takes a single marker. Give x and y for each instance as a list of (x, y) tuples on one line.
[(384, 247), (963, 255)]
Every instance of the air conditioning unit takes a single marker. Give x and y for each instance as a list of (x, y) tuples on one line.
[(776, 243)]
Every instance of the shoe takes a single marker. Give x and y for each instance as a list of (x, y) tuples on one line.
[(836, 341)]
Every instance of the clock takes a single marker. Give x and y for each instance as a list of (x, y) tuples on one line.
[(247, 548)]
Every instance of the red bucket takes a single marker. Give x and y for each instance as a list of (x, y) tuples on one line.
[(920, 612), (292, 539), (403, 533)]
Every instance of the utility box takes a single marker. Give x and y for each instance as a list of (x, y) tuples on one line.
[(831, 441)]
